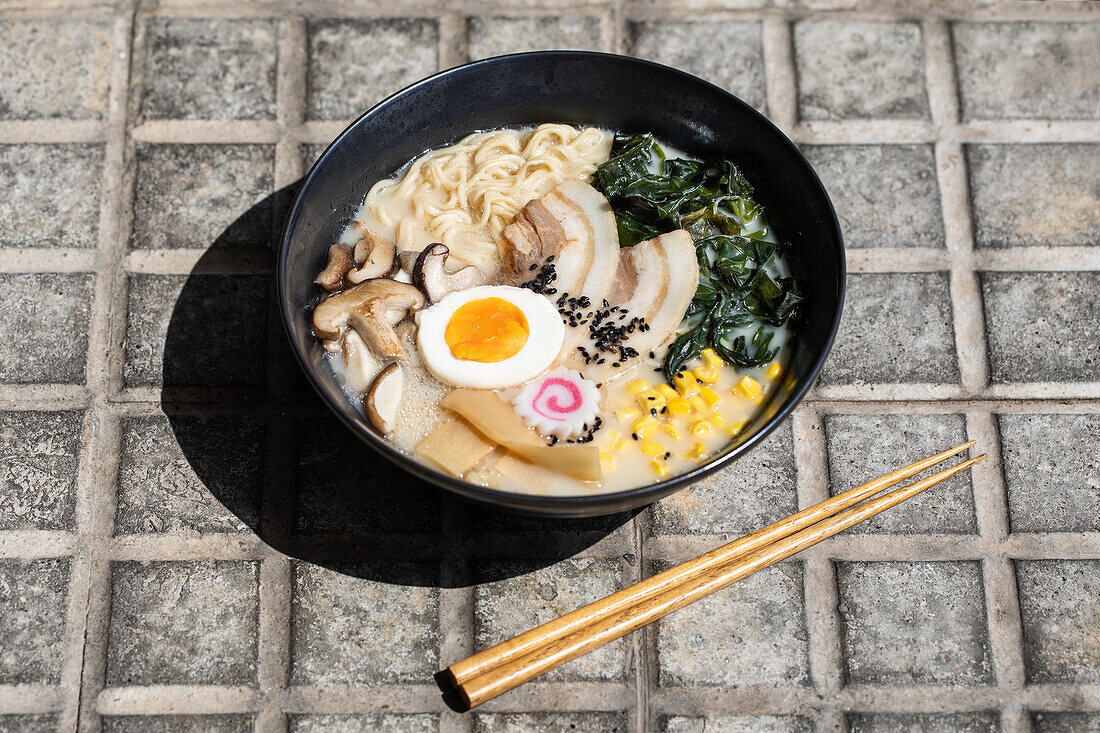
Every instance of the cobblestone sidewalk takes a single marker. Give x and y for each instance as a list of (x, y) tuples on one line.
[(184, 541)]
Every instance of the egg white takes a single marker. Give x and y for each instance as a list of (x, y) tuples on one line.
[(545, 328)]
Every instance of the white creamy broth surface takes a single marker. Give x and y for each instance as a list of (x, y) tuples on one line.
[(466, 196)]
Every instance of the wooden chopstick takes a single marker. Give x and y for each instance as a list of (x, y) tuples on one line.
[(501, 653), (502, 667)]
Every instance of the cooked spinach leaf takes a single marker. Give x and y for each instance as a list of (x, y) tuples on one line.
[(739, 293)]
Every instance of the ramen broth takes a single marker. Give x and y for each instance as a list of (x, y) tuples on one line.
[(637, 446)]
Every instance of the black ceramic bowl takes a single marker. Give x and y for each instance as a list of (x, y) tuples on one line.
[(610, 91)]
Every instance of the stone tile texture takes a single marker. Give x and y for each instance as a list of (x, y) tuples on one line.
[(859, 69), (914, 623), (751, 634), (1028, 70), (1035, 195), (895, 328), (190, 541), (493, 36), (190, 622), (884, 195), (348, 630), (44, 327), (353, 64), (32, 619), (1060, 607), (52, 195), (1042, 326), (863, 447), (40, 80), (203, 69), (703, 48)]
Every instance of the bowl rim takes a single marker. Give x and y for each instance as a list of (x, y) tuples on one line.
[(584, 504)]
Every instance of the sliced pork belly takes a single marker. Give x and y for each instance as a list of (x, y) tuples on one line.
[(575, 224), (656, 280)]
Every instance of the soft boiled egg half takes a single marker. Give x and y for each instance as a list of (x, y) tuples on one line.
[(490, 336)]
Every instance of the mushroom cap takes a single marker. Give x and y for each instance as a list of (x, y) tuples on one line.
[(430, 274), (394, 301), (340, 260), (375, 257), (384, 397)]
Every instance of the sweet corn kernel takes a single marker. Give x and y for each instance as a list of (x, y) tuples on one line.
[(698, 451), (627, 414), (658, 466), (678, 407), (608, 462), (774, 370), (638, 385), (668, 392), (650, 399), (612, 440), (706, 374), (697, 403), (748, 387), (646, 427), (685, 383), (700, 427), (671, 430), (652, 448), (708, 395), (735, 429), (711, 358)]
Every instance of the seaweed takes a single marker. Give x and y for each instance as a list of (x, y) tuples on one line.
[(713, 201)]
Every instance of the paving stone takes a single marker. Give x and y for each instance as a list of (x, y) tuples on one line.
[(863, 447), (51, 195), (914, 623), (756, 490), (169, 339), (163, 488), (39, 453), (859, 69), (43, 723), (530, 596), (191, 622), (177, 724), (1028, 70), (32, 619), (1025, 195), (1042, 326), (355, 63), (703, 48), (493, 36), (1052, 472), (209, 69), (1060, 608), (44, 327), (737, 724), (884, 195), (921, 723), (896, 328), (1065, 722), (365, 494), (752, 633), (347, 630), (38, 78), (550, 722), (364, 723), (201, 196)]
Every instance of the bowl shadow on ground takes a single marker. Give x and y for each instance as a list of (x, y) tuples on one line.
[(268, 450)]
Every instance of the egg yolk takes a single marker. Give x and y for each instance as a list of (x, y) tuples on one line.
[(486, 330)]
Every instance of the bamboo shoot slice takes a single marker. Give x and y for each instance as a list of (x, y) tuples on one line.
[(498, 422), (454, 446)]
